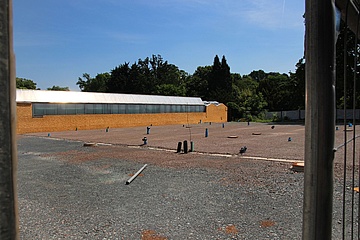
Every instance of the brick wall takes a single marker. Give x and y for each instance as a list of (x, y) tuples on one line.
[(26, 123)]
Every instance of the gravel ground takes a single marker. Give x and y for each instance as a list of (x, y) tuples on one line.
[(68, 191)]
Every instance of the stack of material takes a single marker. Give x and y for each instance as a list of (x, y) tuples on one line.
[(298, 167)]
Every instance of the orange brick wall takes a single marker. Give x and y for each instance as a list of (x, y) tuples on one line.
[(216, 113), (53, 123)]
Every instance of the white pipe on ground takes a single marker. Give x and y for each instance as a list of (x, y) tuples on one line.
[(135, 175)]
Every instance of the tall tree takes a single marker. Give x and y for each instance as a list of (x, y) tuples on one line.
[(227, 79), (197, 84), (275, 89), (119, 81), (97, 84), (214, 79), (220, 81)]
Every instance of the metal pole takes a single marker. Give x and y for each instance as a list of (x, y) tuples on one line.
[(135, 175), (320, 118), (8, 161), (354, 128)]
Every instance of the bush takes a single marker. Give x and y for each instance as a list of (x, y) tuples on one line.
[(275, 118)]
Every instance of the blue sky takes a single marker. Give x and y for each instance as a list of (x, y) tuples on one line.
[(55, 42)]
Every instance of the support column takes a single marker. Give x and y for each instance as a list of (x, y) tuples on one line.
[(320, 118), (8, 159)]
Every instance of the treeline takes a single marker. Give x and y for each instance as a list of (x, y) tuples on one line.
[(246, 96), (24, 83)]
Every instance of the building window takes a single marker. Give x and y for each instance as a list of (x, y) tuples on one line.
[(41, 109)]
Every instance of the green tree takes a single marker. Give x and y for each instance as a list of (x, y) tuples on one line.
[(162, 72), (197, 84), (97, 84), (276, 91), (58, 88), (258, 75), (23, 83), (297, 86), (226, 76), (84, 82), (214, 79), (119, 81), (251, 103), (149, 76), (236, 78), (138, 76), (248, 102), (170, 90), (246, 82), (220, 81)]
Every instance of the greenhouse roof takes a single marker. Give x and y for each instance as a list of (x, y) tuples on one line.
[(46, 96)]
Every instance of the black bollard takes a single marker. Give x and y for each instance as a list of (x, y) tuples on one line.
[(185, 147), (178, 147)]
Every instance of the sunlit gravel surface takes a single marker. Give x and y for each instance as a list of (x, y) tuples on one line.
[(68, 191)]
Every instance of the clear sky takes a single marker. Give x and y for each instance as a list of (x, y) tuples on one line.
[(55, 42)]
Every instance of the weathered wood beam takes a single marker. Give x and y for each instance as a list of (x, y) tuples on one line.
[(8, 154)]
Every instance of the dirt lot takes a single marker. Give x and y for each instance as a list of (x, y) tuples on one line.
[(68, 191), (261, 139)]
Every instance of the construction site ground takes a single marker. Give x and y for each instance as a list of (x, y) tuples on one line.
[(72, 184)]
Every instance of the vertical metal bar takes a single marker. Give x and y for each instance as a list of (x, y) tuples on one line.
[(8, 163), (354, 126), (320, 118), (345, 121), (354, 122)]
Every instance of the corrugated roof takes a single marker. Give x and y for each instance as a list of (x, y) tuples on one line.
[(46, 96)]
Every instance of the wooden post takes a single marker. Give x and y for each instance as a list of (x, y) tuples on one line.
[(320, 118), (8, 159)]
